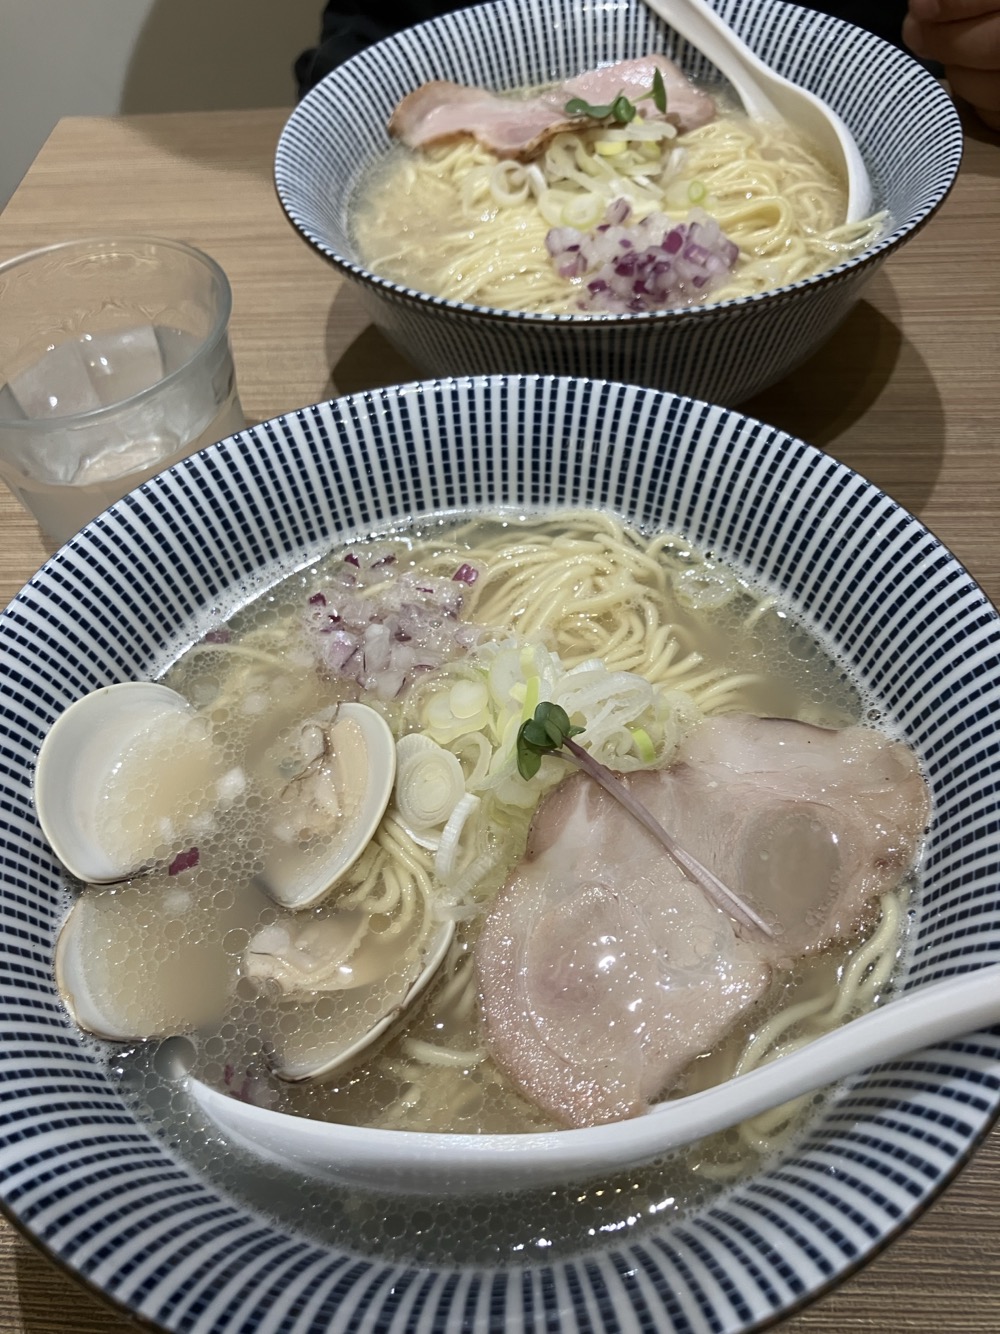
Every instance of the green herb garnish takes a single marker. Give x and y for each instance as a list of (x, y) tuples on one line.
[(550, 732), (547, 731), (658, 93), (622, 110)]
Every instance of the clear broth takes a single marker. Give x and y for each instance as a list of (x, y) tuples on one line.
[(752, 633)]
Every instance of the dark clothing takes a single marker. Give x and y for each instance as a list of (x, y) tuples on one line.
[(351, 25), (882, 17)]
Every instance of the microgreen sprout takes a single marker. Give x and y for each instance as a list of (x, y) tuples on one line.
[(621, 110), (550, 731)]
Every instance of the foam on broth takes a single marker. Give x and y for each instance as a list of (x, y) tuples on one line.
[(256, 679)]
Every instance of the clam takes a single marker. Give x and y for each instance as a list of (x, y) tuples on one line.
[(126, 778), (123, 775), (339, 985), (130, 773), (334, 778), (150, 959)]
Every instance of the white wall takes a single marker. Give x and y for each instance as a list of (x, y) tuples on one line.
[(99, 57)]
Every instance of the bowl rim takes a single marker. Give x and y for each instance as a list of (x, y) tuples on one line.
[(284, 176), (154, 499)]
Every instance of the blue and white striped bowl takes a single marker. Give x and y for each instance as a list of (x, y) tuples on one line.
[(132, 1215), (905, 125)]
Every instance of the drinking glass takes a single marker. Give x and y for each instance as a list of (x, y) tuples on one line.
[(114, 362)]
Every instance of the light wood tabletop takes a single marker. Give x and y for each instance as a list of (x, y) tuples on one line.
[(907, 392)]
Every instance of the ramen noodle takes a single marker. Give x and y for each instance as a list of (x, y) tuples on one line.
[(734, 207), (638, 637)]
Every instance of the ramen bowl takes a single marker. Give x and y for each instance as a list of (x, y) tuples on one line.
[(904, 123), (103, 1160)]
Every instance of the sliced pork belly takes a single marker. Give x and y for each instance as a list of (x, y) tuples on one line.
[(519, 127), (603, 971), (810, 826)]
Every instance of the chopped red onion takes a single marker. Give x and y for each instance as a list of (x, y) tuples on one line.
[(371, 557), (379, 626), (184, 861), (376, 642), (246, 1086), (652, 265), (339, 649)]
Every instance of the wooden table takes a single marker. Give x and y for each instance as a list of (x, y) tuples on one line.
[(908, 393)]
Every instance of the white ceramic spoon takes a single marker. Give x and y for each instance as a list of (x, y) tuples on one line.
[(769, 96), (928, 1015), (420, 1162)]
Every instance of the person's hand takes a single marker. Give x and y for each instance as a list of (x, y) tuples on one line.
[(964, 35)]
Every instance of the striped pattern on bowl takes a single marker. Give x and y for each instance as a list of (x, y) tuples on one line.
[(905, 125), (116, 1206)]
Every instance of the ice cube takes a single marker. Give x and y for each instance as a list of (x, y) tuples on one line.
[(10, 408), (58, 385), (114, 463), (123, 362), (45, 452)]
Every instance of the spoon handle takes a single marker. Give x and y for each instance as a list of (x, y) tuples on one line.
[(769, 96), (925, 1016), (699, 26), (429, 1161)]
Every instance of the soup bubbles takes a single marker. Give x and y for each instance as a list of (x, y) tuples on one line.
[(507, 610)]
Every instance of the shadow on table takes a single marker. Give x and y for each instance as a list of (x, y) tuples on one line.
[(872, 356), (360, 361), (355, 370), (822, 399), (48, 1299)]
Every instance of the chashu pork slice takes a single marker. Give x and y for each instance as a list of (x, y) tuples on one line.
[(519, 127), (603, 971), (810, 826)]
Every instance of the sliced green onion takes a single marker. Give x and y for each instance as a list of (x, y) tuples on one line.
[(643, 744), (446, 857), (583, 212), (505, 672), (676, 196), (509, 183), (536, 179), (429, 783), (532, 694), (468, 699)]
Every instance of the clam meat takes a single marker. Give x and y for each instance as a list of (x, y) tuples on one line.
[(332, 777), (357, 980)]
